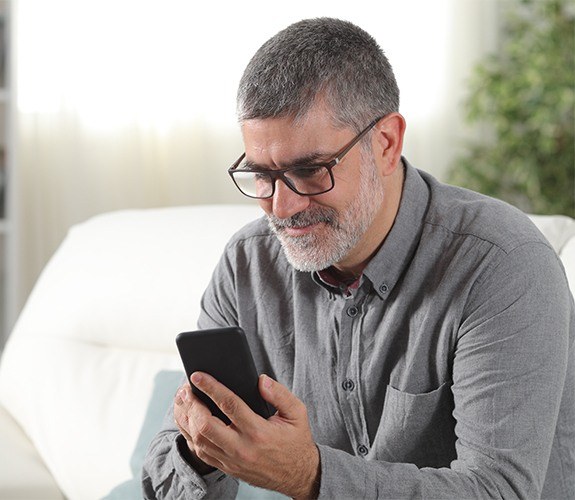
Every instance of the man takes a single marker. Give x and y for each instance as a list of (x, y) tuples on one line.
[(417, 338)]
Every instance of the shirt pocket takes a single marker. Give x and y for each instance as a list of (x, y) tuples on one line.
[(417, 428)]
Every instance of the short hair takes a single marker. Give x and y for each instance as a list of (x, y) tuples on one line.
[(313, 59)]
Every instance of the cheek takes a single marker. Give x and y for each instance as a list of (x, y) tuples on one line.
[(346, 185), (266, 205)]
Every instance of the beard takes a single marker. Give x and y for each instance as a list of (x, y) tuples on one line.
[(342, 230)]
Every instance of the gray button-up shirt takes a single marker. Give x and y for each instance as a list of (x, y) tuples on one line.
[(448, 373)]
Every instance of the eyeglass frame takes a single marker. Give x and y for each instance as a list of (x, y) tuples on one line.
[(276, 174)]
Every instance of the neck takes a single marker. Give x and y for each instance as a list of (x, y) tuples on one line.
[(343, 277)]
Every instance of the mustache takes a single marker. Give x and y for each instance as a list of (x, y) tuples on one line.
[(306, 218)]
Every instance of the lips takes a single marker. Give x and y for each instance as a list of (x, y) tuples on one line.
[(303, 223), (296, 231)]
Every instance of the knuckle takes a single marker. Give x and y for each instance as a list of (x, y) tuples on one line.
[(245, 456), (258, 437), (299, 406), (179, 416), (204, 427), (183, 422), (179, 397), (229, 405), (194, 437), (186, 435), (201, 451), (177, 412)]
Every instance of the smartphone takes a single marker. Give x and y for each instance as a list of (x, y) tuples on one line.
[(223, 353)]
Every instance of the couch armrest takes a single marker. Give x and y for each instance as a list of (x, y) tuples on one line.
[(23, 475)]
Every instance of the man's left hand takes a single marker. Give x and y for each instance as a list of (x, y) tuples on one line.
[(277, 454)]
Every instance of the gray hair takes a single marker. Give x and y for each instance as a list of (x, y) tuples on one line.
[(319, 59)]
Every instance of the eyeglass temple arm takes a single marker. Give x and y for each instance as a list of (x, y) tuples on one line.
[(358, 138)]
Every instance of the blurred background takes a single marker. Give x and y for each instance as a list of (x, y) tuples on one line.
[(126, 104)]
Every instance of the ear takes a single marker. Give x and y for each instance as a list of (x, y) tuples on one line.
[(387, 142)]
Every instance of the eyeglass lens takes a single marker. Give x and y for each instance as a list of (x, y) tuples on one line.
[(304, 180)]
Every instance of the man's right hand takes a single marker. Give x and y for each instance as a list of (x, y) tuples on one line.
[(182, 403)]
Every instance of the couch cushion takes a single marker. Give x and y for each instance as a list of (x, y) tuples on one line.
[(558, 229), (560, 232), (78, 370), (131, 279), (568, 258), (23, 474)]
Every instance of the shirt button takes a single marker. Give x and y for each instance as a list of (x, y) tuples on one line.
[(383, 288), (362, 450), (352, 311), (348, 385)]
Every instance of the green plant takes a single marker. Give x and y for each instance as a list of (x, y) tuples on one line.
[(523, 101)]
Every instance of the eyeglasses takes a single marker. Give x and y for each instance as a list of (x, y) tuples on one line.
[(304, 180)]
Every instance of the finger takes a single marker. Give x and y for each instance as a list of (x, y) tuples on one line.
[(213, 441), (186, 404), (231, 405), (187, 437), (210, 460), (286, 402), (228, 460), (182, 424), (181, 419), (209, 452), (180, 403), (189, 413), (179, 397), (202, 426), (185, 398)]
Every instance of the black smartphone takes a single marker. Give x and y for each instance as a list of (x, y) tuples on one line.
[(223, 353)]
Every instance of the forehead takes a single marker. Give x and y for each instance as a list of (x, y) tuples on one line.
[(278, 141)]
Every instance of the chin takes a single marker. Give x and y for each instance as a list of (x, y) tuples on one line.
[(307, 258)]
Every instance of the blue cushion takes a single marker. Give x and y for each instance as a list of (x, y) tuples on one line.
[(166, 384)]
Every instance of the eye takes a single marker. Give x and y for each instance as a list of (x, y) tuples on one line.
[(307, 172), (261, 176)]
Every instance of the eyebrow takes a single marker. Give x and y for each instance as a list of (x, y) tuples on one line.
[(309, 160)]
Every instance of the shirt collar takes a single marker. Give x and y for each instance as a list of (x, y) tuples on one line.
[(327, 278), (390, 261)]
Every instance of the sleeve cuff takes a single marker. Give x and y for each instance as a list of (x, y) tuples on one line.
[(344, 475), (217, 483)]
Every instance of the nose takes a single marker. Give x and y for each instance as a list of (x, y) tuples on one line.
[(286, 203)]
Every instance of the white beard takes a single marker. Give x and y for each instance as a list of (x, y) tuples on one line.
[(314, 252)]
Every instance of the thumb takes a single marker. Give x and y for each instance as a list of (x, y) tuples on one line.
[(280, 397)]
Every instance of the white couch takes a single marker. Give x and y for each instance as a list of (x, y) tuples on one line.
[(91, 364)]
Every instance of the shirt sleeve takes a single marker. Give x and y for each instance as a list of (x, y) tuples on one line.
[(219, 302), (512, 364), (167, 475)]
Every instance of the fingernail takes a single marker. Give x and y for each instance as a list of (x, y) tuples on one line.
[(196, 378), (267, 382)]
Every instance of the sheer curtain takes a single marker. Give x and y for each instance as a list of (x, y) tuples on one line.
[(128, 104)]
